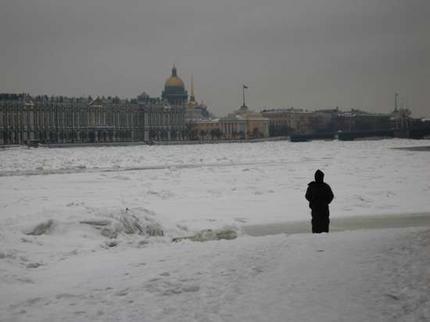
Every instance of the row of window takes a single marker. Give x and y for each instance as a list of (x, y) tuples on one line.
[(79, 118)]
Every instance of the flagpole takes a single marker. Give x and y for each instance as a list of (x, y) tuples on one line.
[(243, 94)]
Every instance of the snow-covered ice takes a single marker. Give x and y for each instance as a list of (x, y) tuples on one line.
[(85, 233)]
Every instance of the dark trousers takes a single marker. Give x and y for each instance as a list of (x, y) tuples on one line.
[(320, 221)]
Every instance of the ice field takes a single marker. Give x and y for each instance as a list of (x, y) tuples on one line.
[(86, 233)]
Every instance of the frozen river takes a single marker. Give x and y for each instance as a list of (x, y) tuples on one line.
[(191, 187)]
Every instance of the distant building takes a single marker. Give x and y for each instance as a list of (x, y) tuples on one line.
[(239, 125), (291, 121), (162, 121), (357, 120), (44, 119), (287, 121), (25, 118), (400, 119), (244, 124), (233, 127), (208, 129)]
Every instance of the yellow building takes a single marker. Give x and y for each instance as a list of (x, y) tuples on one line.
[(208, 129), (233, 127), (257, 126)]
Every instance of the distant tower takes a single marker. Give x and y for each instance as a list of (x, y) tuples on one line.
[(195, 111), (174, 90), (243, 108), (192, 102), (396, 102)]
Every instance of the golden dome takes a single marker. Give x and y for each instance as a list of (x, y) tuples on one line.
[(174, 80)]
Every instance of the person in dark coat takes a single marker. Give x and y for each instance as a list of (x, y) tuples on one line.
[(319, 195)]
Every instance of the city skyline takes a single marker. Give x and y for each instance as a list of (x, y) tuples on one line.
[(307, 55)]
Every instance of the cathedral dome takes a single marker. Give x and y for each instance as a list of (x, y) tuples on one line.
[(174, 90), (174, 80)]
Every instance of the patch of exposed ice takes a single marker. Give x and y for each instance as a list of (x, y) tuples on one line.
[(210, 234)]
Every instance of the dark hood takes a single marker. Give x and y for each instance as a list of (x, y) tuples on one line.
[(319, 176)]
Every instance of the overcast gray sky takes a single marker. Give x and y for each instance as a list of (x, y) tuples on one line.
[(301, 53)]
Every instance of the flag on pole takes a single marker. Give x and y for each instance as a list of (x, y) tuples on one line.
[(244, 86)]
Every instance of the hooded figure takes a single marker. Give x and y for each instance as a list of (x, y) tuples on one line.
[(319, 195)]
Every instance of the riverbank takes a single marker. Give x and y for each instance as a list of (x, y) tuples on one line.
[(182, 142), (375, 275)]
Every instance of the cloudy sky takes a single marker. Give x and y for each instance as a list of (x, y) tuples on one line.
[(301, 53)]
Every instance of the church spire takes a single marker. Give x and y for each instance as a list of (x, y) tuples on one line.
[(192, 97), (174, 72)]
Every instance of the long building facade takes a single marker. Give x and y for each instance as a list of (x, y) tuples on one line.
[(25, 119)]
